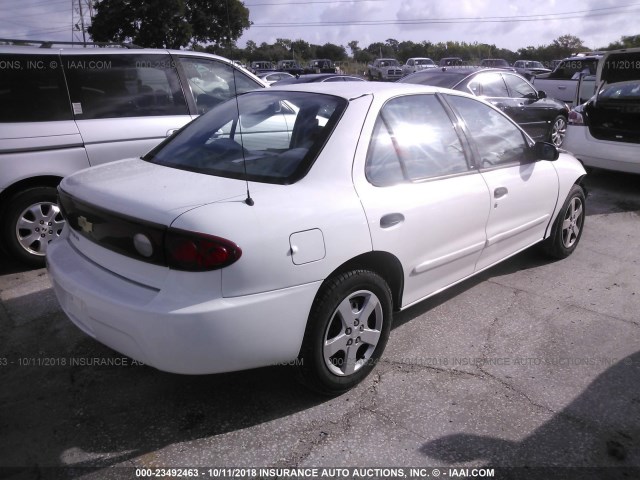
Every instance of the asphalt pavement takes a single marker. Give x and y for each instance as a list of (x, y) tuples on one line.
[(532, 364)]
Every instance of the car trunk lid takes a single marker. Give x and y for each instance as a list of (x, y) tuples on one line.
[(614, 114)]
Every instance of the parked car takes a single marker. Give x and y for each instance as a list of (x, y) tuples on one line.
[(495, 63), (416, 64), (562, 83), (64, 109), (319, 77), (604, 132), (289, 66), (384, 69), (529, 68), (541, 117), (272, 77), (450, 62), (322, 65), (262, 66), (358, 216)]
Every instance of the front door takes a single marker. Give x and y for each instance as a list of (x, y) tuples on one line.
[(524, 192)]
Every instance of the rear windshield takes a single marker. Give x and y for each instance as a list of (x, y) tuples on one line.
[(276, 137), (435, 79), (621, 91)]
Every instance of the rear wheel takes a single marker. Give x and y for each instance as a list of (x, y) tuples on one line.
[(558, 130), (347, 332), (32, 220), (567, 229)]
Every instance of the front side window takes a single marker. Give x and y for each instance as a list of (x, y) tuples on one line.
[(32, 89), (413, 139), (276, 136), (499, 141), (519, 87), (212, 82), (488, 85), (115, 86)]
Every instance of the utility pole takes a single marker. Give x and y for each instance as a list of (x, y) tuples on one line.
[(81, 16)]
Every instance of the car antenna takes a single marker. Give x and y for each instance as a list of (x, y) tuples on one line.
[(249, 201)]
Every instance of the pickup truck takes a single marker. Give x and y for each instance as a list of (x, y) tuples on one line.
[(562, 83), (384, 69)]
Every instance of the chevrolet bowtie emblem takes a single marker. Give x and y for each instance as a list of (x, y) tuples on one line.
[(85, 225)]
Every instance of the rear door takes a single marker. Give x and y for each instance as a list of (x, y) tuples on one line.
[(124, 103), (523, 191), (425, 203)]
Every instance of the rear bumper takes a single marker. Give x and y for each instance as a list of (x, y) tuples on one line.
[(609, 155), (172, 334)]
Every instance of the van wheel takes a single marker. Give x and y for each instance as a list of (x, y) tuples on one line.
[(33, 219), (347, 332), (567, 229)]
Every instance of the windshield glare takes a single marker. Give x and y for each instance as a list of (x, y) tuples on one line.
[(276, 137)]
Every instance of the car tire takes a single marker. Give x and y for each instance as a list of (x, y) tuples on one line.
[(558, 130), (32, 220), (568, 227), (340, 348)]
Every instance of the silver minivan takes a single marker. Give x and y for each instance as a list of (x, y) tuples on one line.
[(64, 109)]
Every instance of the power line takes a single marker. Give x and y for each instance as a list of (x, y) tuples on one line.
[(291, 4), (461, 20)]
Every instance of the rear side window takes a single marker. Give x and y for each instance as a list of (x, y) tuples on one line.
[(114, 86), (32, 89), (413, 139)]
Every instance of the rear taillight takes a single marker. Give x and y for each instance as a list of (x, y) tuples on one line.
[(576, 116), (198, 252)]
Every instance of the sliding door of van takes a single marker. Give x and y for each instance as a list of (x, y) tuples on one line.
[(124, 103)]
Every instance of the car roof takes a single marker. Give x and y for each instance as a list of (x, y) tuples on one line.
[(459, 74), (30, 50), (350, 90), (312, 77)]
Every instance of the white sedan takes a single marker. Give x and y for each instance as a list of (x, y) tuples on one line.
[(290, 226)]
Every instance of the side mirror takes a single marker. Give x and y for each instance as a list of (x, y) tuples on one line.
[(542, 94), (546, 151)]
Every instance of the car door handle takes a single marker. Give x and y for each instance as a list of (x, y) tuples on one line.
[(562, 87), (500, 192), (391, 220), (172, 131)]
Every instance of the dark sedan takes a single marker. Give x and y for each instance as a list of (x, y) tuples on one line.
[(541, 117), (319, 77)]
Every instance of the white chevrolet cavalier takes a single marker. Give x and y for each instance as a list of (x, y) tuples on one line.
[(293, 222)]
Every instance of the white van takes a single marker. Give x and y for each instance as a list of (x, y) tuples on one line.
[(65, 109)]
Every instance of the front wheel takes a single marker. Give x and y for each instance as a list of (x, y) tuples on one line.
[(347, 332), (568, 227), (32, 220), (558, 130)]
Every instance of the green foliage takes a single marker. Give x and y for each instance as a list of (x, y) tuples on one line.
[(169, 23), (629, 41)]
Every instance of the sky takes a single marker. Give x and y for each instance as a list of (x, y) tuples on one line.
[(509, 24)]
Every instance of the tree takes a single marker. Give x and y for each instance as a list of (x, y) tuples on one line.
[(169, 23), (332, 52), (566, 45), (629, 41), (355, 49)]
